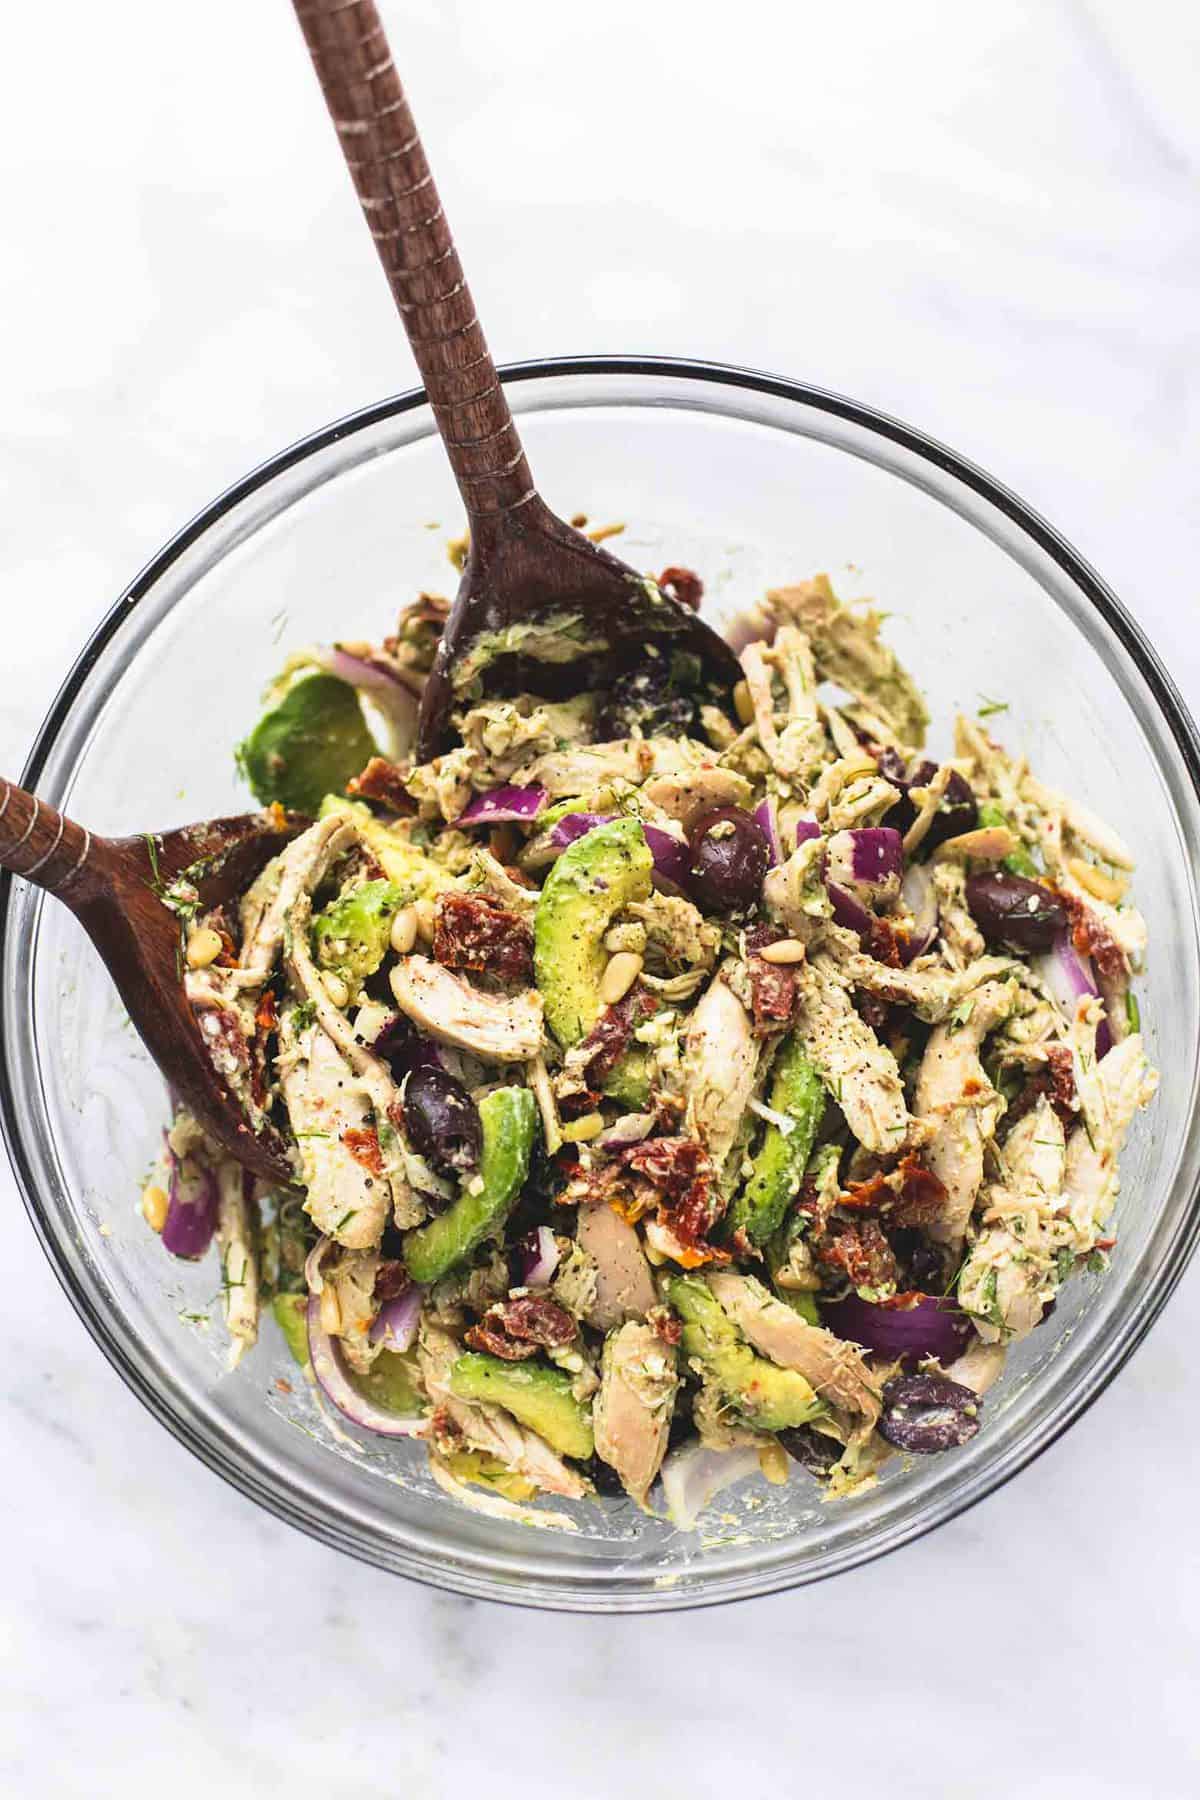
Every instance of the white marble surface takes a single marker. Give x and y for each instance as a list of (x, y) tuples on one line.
[(984, 219)]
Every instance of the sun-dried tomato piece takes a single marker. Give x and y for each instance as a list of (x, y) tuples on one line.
[(665, 1325), (1092, 938), (908, 1195), (681, 1170), (515, 1329), (859, 1249), (774, 996), (477, 934), (1056, 1080), (391, 1279), (363, 1146), (885, 942), (607, 1041), (382, 781), (683, 585), (494, 1342), (535, 1318)]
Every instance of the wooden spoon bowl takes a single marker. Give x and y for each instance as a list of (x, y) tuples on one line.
[(526, 571), (116, 888)]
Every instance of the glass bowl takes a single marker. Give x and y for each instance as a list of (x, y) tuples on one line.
[(753, 481)]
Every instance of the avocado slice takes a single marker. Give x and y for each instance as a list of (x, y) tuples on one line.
[(593, 880), (392, 1382), (797, 1092), (351, 935), (290, 1312), (765, 1396), (307, 744), (508, 1117), (534, 1394)]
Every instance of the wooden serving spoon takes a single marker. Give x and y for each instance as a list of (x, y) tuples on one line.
[(526, 571), (114, 886)]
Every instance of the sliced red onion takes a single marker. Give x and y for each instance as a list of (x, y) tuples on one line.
[(537, 1257), (370, 674), (804, 830), (564, 831), (397, 698), (920, 897), (935, 1326), (191, 1207), (504, 806), (866, 862), (766, 817), (313, 1279), (335, 1383), (396, 1326), (672, 857), (847, 910), (1070, 978), (693, 1476)]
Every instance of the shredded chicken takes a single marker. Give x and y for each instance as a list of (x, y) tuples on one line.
[(506, 1030), (859, 1071), (720, 1066), (489, 1428), (955, 1096), (833, 1368), (638, 1382), (624, 1287), (237, 1223)]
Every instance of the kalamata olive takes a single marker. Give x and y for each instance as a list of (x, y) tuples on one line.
[(730, 858), (442, 1120), (956, 814), (816, 1452), (1015, 913), (928, 1413), (903, 775)]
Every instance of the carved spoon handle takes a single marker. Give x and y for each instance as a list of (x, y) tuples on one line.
[(399, 200)]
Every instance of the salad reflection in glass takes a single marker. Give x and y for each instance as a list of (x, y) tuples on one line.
[(673, 1093)]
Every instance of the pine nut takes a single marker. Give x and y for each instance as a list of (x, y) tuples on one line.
[(625, 937), (743, 705), (204, 947), (581, 1131), (154, 1207), (773, 1461), (331, 1312), (620, 975), (787, 950), (404, 930), (1105, 887), (426, 911), (336, 988)]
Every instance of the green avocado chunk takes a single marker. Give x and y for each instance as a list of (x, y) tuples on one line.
[(764, 1395), (392, 1382), (593, 880), (351, 935), (508, 1117), (290, 1312), (797, 1092), (308, 744), (1018, 861), (535, 1395)]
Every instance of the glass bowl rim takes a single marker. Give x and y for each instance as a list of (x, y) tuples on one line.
[(1086, 581)]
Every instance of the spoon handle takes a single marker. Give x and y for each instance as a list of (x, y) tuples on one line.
[(387, 163), (39, 843)]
